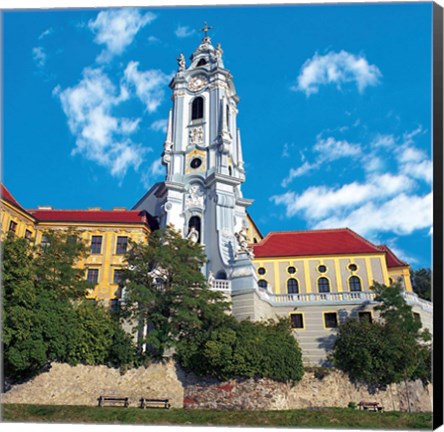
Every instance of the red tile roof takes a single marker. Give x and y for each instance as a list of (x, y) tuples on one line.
[(6, 195), (392, 259), (316, 242), (103, 216)]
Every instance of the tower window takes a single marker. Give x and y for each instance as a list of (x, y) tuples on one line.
[(196, 163), (197, 108), (323, 285), (292, 286), (355, 283), (262, 283), (195, 223), (202, 62)]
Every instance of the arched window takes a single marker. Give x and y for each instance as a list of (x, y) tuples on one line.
[(355, 283), (197, 108), (202, 62), (323, 285), (262, 283), (195, 223), (292, 286), (221, 275)]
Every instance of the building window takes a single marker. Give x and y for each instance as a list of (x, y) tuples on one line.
[(93, 275), (194, 224), (118, 275), (417, 316), (197, 108), (292, 286), (322, 268), (12, 226), (323, 285), (297, 320), (291, 270), (261, 270), (353, 267), (221, 275), (365, 316), (45, 241), (28, 234), (331, 319), (355, 283), (96, 244), (202, 62), (262, 283), (196, 163), (122, 245)]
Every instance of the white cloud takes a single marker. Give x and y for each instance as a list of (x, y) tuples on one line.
[(402, 214), (149, 85), (318, 202), (47, 32), (160, 125), (336, 68), (39, 56), (116, 29), (157, 169), (184, 31), (100, 136), (384, 141), (328, 149)]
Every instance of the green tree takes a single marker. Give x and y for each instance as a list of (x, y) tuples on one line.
[(166, 292), (422, 283), (42, 323), (55, 261), (244, 349), (391, 350)]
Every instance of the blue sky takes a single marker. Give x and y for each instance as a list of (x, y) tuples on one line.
[(335, 110)]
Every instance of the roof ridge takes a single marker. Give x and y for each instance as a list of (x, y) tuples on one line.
[(387, 249), (355, 234)]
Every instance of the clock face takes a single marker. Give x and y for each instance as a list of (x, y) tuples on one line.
[(197, 83)]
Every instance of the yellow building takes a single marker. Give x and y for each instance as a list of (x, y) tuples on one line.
[(105, 232)]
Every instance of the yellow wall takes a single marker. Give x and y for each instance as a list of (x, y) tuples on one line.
[(254, 236), (24, 221), (107, 261), (403, 273), (370, 268)]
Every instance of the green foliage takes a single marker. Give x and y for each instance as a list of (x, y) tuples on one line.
[(54, 264), (389, 351), (166, 291), (244, 349), (422, 283), (42, 323)]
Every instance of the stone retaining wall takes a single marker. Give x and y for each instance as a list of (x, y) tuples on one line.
[(82, 385)]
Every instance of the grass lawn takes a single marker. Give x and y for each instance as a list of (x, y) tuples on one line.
[(320, 417)]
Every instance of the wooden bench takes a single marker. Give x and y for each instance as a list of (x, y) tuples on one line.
[(154, 403), (113, 400), (370, 406)]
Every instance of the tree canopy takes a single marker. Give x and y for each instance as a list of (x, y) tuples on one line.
[(422, 283), (389, 350)]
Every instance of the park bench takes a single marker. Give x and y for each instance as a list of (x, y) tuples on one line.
[(113, 400), (370, 406), (154, 403)]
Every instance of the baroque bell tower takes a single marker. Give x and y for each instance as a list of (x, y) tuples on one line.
[(201, 195)]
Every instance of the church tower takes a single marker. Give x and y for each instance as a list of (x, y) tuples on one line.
[(201, 195)]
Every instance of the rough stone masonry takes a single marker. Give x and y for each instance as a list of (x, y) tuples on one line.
[(82, 385)]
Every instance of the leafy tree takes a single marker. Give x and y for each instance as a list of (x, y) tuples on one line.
[(55, 264), (42, 323), (166, 291), (390, 351), (244, 349), (422, 283)]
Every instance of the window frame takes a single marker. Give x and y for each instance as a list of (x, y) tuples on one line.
[(117, 271), (367, 313), (301, 314), (297, 285), (328, 285), (118, 245), (354, 277), (259, 283), (93, 252), (13, 226), (197, 109), (335, 313), (90, 271)]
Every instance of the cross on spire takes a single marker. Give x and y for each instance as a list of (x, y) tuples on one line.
[(205, 29)]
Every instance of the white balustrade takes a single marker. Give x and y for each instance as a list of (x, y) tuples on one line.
[(221, 285)]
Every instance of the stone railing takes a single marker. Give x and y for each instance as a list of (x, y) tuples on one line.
[(221, 285), (317, 297), (413, 299)]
